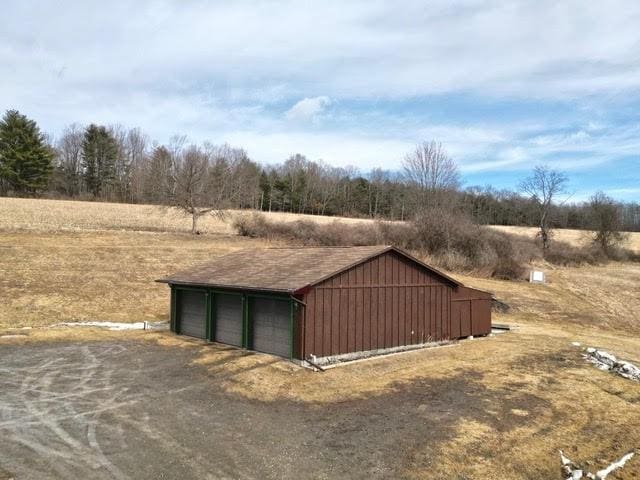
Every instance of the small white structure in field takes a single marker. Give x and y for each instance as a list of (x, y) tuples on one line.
[(536, 276)]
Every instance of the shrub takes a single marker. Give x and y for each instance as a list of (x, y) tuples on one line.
[(563, 254), (458, 244), (452, 244), (305, 232), (447, 240), (245, 225)]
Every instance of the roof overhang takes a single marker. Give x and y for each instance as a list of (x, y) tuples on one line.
[(300, 290), (245, 288)]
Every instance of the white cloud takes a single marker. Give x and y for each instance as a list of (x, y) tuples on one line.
[(631, 194), (338, 149), (308, 108), (501, 158), (361, 48), (226, 71)]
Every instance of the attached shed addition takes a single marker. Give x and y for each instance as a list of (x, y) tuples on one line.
[(316, 302)]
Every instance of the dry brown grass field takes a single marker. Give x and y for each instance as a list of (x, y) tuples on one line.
[(498, 407), (70, 216), (574, 237), (65, 215)]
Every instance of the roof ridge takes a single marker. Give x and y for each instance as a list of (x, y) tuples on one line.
[(297, 247)]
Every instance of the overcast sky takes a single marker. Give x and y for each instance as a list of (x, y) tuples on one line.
[(503, 85)]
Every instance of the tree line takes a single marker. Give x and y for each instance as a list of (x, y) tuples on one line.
[(112, 163)]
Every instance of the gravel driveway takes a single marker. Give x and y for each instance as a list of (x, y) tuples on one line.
[(134, 409)]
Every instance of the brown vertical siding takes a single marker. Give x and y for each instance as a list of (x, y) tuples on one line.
[(385, 302), (309, 321), (351, 321), (341, 341), (359, 331), (473, 309), (431, 305), (389, 301), (395, 318), (367, 320), (317, 336), (465, 319), (381, 312), (481, 316), (326, 316), (455, 319), (335, 322)]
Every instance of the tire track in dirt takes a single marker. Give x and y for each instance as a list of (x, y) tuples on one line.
[(64, 433)]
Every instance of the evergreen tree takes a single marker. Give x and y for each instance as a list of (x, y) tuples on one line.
[(99, 155), (265, 191), (25, 157)]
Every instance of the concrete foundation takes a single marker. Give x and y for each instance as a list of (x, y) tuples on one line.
[(332, 360)]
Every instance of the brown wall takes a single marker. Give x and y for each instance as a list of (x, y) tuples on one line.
[(471, 311), (385, 302)]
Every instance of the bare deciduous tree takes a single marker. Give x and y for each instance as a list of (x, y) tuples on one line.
[(377, 179), (190, 179), (606, 222), (543, 186), (327, 182), (136, 147), (69, 159), (132, 145), (432, 171), (201, 181), (156, 176), (242, 175)]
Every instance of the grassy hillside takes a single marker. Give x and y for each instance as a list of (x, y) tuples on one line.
[(63, 215), (67, 215), (64, 260)]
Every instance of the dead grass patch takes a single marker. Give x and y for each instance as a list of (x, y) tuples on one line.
[(53, 277)]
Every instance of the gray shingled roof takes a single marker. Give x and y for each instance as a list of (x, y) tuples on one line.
[(278, 269)]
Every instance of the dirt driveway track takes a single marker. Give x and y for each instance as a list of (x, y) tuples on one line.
[(154, 406), (131, 409)]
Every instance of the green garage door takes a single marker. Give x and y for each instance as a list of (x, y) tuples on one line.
[(228, 319), (192, 313), (271, 320)]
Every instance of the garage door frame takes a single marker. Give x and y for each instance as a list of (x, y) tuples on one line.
[(249, 319), (211, 320), (175, 308), (247, 333)]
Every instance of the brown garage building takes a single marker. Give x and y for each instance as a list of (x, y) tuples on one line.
[(317, 302)]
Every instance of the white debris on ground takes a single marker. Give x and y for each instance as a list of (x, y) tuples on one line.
[(117, 325), (608, 362), (571, 471)]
